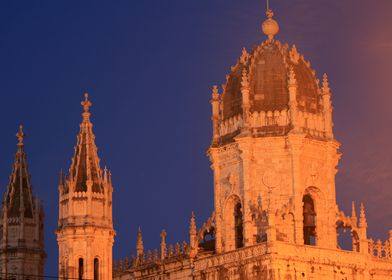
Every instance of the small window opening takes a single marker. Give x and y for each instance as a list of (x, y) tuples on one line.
[(309, 221), (81, 269), (238, 221), (96, 269)]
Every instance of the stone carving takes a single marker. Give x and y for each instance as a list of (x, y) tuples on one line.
[(271, 178)]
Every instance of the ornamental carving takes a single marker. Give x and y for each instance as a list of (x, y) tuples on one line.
[(271, 178)]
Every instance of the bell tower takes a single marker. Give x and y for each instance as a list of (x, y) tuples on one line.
[(85, 233), (273, 152)]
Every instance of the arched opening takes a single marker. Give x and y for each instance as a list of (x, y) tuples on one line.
[(238, 222), (64, 268), (309, 215), (233, 222), (96, 269), (347, 238), (80, 268)]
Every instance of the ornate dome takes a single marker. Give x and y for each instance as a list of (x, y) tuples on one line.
[(266, 74), (268, 68)]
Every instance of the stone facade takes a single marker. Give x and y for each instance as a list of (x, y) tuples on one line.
[(274, 159), (85, 231), (22, 254)]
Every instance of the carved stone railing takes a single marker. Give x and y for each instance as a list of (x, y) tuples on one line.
[(151, 259), (232, 257), (269, 118), (379, 250), (313, 124), (230, 125)]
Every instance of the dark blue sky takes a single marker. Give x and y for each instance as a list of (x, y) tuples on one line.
[(149, 67)]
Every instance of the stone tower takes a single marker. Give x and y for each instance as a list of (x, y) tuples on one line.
[(22, 247), (273, 152), (85, 233)]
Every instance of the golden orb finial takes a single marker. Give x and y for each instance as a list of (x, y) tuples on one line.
[(270, 26)]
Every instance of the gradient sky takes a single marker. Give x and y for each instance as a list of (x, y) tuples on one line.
[(149, 67)]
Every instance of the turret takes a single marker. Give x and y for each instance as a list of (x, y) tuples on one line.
[(85, 210), (22, 221)]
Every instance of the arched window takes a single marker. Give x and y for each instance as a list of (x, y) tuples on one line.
[(238, 223), (96, 269), (309, 220), (80, 268)]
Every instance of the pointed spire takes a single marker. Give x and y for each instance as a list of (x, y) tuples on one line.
[(193, 237), (61, 177), (353, 214), (362, 217), (163, 244), (85, 170), (19, 198), (192, 227), (139, 244)]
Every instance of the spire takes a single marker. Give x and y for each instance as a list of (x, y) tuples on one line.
[(362, 217), (139, 244), (19, 198), (353, 214), (193, 237), (192, 227), (85, 168), (163, 244)]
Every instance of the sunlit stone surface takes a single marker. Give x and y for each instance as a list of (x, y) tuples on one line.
[(274, 159)]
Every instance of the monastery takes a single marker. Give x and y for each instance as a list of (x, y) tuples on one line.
[(274, 158)]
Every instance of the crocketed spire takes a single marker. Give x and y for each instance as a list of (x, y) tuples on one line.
[(85, 165), (19, 198)]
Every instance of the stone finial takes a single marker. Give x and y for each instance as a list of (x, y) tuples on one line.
[(105, 174), (244, 56), (270, 26), (292, 80), (184, 247), (193, 237), (215, 102), (192, 227), (325, 86), (163, 244), (20, 136), (86, 104), (126, 263), (362, 217), (245, 79), (61, 177), (215, 93), (353, 214), (139, 244), (178, 249), (294, 55), (149, 256), (156, 255), (171, 250)]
